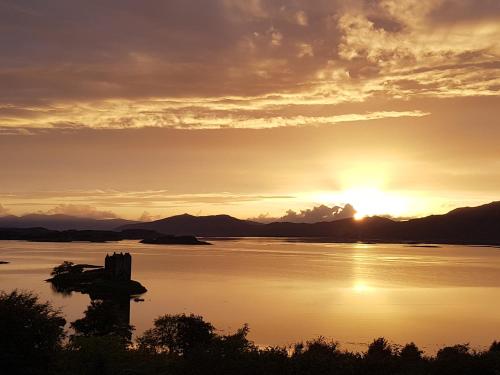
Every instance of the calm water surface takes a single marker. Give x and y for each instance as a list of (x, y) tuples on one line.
[(289, 292)]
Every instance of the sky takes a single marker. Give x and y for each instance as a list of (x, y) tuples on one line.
[(258, 109)]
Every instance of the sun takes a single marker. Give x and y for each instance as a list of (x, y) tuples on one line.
[(369, 201), (359, 216)]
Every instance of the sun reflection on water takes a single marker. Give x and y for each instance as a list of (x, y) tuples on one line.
[(361, 287)]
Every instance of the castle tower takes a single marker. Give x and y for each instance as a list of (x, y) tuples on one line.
[(119, 266)]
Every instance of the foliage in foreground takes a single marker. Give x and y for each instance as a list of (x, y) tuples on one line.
[(31, 334), (33, 343)]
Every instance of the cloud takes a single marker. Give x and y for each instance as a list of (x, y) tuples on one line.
[(4, 210), (419, 45), (81, 210), (146, 216), (305, 50), (196, 116), (126, 199), (301, 18), (313, 215), (182, 69)]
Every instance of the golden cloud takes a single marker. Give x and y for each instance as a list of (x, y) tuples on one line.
[(288, 65)]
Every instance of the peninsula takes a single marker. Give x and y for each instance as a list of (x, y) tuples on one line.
[(174, 240)]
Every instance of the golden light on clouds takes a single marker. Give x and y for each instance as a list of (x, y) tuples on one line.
[(249, 107), (370, 201), (355, 54)]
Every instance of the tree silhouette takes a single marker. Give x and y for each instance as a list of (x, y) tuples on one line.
[(31, 333), (495, 346), (31, 336), (64, 267), (379, 349), (178, 334), (410, 353)]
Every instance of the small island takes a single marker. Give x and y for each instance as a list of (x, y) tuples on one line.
[(174, 240), (110, 281)]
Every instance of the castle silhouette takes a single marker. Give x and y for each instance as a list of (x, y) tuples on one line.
[(119, 266)]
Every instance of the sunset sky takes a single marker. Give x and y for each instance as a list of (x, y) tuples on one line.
[(145, 109)]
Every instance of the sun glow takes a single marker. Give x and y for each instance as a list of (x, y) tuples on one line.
[(359, 216), (369, 201), (372, 201), (360, 287)]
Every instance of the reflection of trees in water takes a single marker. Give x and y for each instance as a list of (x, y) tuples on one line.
[(110, 317), (109, 288), (60, 289), (104, 316)]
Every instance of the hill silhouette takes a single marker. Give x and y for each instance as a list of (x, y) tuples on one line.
[(469, 225), (214, 225), (61, 222), (144, 235), (46, 235)]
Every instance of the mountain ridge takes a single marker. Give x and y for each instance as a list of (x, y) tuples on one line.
[(468, 225), (479, 224), (61, 222)]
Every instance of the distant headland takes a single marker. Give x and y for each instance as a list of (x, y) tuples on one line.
[(174, 240), (144, 235)]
